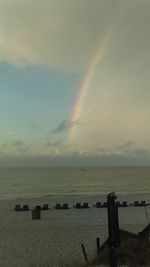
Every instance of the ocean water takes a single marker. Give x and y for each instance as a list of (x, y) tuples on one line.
[(64, 181)]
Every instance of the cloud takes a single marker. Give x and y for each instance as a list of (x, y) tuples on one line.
[(52, 144), (20, 146), (53, 32), (92, 150), (4, 145), (10, 133), (18, 143), (66, 156), (33, 127), (64, 125), (126, 145), (1, 153), (74, 160), (141, 153)]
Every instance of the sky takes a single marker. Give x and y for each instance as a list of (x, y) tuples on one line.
[(74, 82)]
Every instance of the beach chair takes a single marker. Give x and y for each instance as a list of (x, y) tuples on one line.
[(45, 207), (25, 208), (136, 203), (65, 206), (17, 208), (97, 205), (104, 205), (78, 206), (85, 205), (124, 204), (38, 207), (143, 203), (57, 207)]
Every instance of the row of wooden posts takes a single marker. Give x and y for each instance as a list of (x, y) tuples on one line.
[(85, 205)]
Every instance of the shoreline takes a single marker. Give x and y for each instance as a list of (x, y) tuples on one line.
[(120, 196)]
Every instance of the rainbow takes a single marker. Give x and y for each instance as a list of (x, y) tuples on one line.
[(85, 83)]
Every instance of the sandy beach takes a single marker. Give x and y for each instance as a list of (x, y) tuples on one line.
[(57, 237)]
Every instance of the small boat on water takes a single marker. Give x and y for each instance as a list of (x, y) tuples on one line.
[(83, 169)]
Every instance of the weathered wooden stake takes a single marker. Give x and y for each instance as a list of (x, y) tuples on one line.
[(113, 229), (113, 256), (98, 245), (84, 252)]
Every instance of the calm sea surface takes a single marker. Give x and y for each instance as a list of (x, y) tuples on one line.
[(64, 181)]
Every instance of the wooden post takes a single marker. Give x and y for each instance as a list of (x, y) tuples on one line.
[(113, 229), (98, 245), (84, 252), (113, 256)]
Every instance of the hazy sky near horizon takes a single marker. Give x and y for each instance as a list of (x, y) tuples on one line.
[(74, 82)]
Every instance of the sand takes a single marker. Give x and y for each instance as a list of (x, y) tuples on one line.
[(57, 237)]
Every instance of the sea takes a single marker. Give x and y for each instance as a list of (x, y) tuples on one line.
[(68, 181)]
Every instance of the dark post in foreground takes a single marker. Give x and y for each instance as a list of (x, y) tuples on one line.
[(84, 253), (113, 229), (98, 245)]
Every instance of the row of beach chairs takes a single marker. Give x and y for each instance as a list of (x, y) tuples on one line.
[(85, 205), (64, 206), (26, 207), (123, 204), (140, 204)]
